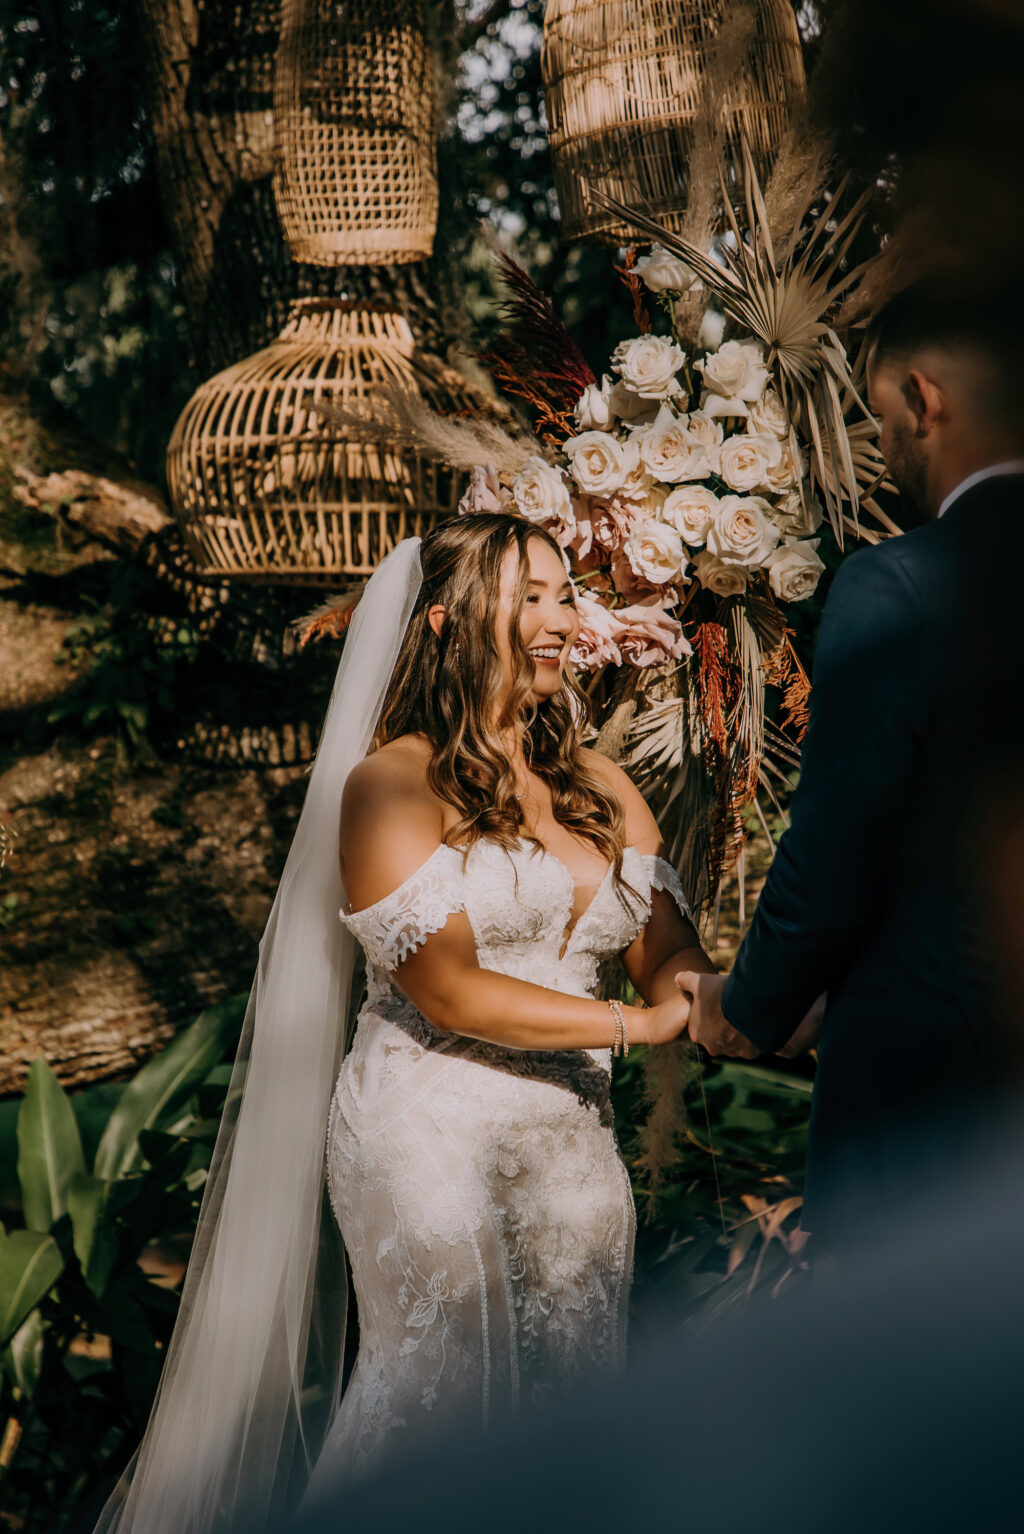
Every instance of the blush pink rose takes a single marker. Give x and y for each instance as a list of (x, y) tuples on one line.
[(650, 637), (484, 492), (597, 642)]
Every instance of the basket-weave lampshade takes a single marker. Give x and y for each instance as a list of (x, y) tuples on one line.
[(266, 490), (355, 123), (622, 84)]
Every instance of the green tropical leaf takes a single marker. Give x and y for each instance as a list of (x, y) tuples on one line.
[(23, 1355), (164, 1085), (49, 1148), (30, 1265), (94, 1239)]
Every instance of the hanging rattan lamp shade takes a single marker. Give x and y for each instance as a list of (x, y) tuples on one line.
[(356, 132), (622, 85), (266, 490)]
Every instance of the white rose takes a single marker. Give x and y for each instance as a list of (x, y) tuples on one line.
[(670, 452), (629, 407), (708, 432), (741, 533), (744, 462), (768, 414), (648, 365), (665, 273), (724, 580), (785, 472), (734, 378), (541, 494), (637, 484), (655, 552), (690, 510), (593, 411), (797, 516), (598, 461), (794, 570)]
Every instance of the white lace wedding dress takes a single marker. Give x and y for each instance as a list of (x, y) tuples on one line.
[(484, 1205)]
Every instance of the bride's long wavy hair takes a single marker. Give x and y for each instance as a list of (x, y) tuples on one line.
[(446, 688)]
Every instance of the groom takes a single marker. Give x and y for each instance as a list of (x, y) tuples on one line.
[(872, 895)]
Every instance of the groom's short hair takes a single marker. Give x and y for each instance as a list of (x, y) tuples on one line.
[(954, 313)]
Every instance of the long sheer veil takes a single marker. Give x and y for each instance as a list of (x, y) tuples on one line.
[(253, 1371)]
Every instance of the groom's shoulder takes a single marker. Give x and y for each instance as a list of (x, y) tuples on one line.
[(908, 574)]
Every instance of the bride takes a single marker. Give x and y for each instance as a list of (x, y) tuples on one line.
[(489, 865)]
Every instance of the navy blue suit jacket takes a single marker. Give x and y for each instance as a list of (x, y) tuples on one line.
[(868, 898)]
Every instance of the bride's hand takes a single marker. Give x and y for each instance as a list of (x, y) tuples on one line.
[(666, 1021)]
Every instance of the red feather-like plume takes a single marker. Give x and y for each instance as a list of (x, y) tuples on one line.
[(534, 357)]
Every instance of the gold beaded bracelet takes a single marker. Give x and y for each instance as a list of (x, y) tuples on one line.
[(620, 1044)]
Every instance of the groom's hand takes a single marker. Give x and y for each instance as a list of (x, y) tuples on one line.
[(707, 1024)]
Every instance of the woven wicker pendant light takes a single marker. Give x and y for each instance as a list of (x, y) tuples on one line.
[(265, 490), (622, 83), (355, 121)]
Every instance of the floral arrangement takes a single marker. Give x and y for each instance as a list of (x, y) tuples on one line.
[(685, 472)]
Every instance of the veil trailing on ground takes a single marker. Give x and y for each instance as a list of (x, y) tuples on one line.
[(253, 1371)]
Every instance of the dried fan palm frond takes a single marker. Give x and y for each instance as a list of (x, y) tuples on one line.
[(784, 300), (655, 742), (406, 421)]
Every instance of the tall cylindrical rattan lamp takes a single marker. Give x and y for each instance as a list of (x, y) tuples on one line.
[(266, 490), (622, 83), (355, 112)]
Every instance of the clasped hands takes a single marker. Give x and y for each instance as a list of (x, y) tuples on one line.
[(708, 1025)]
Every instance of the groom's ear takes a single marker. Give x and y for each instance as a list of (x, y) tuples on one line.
[(925, 400)]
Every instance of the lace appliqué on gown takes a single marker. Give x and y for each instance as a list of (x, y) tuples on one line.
[(484, 1205)]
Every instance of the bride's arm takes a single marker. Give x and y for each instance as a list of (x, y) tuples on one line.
[(668, 944), (390, 827)]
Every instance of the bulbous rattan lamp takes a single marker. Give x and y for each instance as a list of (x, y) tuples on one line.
[(266, 490), (622, 85), (355, 112)]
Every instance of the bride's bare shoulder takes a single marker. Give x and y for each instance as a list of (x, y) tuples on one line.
[(390, 784)]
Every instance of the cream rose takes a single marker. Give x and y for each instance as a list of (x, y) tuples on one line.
[(596, 644), (629, 407), (599, 461), (796, 516), (593, 411), (724, 580), (744, 461), (690, 510), (541, 494), (794, 570), (785, 472), (734, 378), (637, 484), (664, 273), (648, 365), (670, 452), (709, 433), (655, 552), (650, 636), (768, 415), (741, 533)]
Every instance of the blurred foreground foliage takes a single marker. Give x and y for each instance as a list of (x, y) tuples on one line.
[(97, 1224), (99, 1218)]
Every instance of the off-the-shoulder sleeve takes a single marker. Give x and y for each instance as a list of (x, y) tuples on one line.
[(398, 925), (664, 877)]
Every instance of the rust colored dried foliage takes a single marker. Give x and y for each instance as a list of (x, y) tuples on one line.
[(641, 314), (534, 357)]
